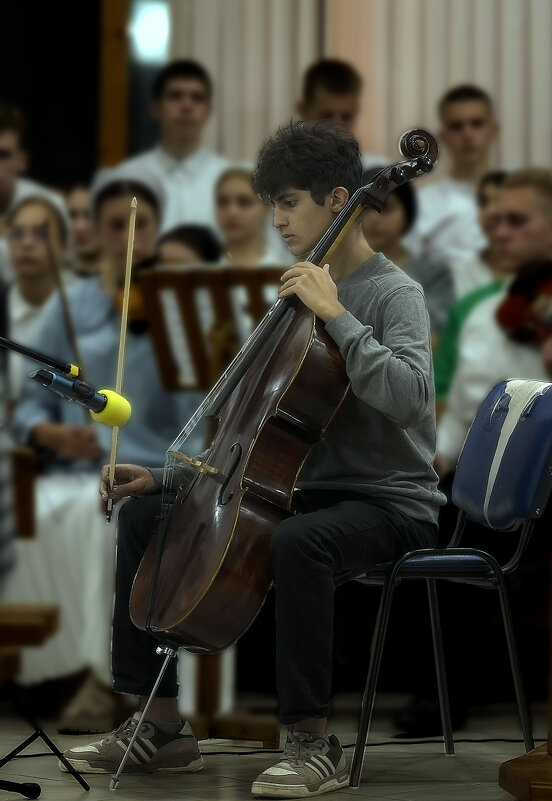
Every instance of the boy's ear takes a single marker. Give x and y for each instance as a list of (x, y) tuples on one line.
[(338, 198)]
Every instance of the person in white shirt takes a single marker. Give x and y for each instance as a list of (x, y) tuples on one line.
[(447, 228), (14, 188), (331, 91), (182, 104), (487, 354)]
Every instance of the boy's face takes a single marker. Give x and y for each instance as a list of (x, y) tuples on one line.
[(301, 221), (183, 109), (468, 131), (13, 160), (112, 229), (326, 105), (522, 232)]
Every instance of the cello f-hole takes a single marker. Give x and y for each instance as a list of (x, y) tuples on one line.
[(221, 499)]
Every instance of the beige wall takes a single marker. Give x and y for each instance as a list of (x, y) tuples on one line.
[(410, 51)]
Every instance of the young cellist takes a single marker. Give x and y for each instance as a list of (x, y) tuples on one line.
[(368, 492)]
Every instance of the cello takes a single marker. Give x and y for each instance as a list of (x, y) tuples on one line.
[(204, 577)]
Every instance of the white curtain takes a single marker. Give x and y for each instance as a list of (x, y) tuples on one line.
[(411, 51), (256, 52)]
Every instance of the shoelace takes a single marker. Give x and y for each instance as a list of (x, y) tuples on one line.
[(126, 729), (296, 750)]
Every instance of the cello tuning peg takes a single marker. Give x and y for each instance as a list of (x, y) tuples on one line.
[(425, 164), (397, 175)]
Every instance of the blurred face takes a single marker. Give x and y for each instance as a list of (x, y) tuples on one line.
[(523, 230), (468, 131), (384, 230), (326, 105), (301, 221), (13, 161), (488, 206), (29, 235), (177, 253), (83, 233), (112, 229), (183, 109), (241, 215)]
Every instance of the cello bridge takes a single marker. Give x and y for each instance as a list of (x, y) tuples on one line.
[(194, 464)]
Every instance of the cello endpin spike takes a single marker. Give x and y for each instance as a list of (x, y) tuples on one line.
[(113, 784)]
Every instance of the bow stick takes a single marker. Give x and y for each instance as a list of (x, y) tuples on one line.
[(121, 357)]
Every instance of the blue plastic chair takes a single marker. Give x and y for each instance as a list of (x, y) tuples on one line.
[(503, 481)]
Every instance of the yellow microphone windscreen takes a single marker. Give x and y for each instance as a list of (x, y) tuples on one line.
[(117, 409)]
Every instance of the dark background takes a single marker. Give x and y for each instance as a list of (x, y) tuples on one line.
[(49, 68)]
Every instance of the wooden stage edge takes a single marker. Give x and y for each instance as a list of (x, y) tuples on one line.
[(528, 777)]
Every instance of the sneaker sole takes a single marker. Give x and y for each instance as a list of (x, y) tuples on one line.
[(82, 766), (270, 790)]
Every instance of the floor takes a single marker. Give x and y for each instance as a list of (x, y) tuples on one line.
[(394, 770)]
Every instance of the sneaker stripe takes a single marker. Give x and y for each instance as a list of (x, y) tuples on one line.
[(327, 761), (314, 767), (148, 747), (137, 759), (139, 751), (322, 765)]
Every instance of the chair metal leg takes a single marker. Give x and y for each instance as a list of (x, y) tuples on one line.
[(523, 709), (442, 688), (378, 642)]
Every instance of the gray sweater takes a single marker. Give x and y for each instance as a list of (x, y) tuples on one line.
[(381, 443)]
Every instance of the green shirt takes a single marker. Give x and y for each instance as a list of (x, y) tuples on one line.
[(446, 352)]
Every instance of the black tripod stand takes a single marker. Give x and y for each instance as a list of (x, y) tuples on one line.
[(30, 789)]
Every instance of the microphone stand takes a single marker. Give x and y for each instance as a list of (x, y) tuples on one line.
[(64, 367)]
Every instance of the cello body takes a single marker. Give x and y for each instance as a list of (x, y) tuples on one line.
[(211, 578)]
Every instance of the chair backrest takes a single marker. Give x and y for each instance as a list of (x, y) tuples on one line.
[(504, 474)]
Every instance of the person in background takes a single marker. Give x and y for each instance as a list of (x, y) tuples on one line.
[(242, 221), (182, 104), (478, 270), (483, 273), (85, 244), (384, 232), (37, 236), (486, 355), (71, 561), (7, 551), (331, 91), (188, 244), (13, 188), (447, 227)]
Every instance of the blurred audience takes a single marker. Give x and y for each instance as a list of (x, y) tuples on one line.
[(331, 91), (482, 273), (384, 232), (85, 244), (486, 353), (13, 188), (447, 227), (182, 104), (37, 235), (71, 561)]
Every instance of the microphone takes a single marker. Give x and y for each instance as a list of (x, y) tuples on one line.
[(106, 406)]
